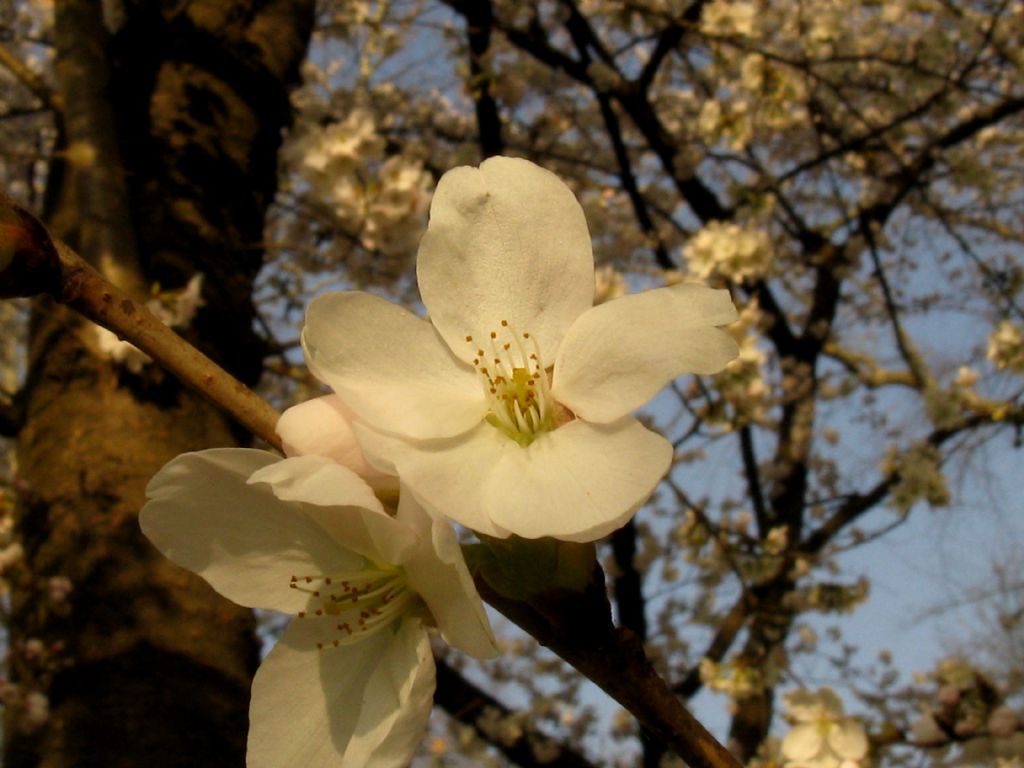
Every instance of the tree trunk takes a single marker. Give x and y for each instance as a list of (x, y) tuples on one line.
[(171, 120)]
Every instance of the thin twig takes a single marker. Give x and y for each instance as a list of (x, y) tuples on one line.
[(30, 79)]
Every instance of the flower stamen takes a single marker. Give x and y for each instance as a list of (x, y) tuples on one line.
[(515, 383), (363, 603)]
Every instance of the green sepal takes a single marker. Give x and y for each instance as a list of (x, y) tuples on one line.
[(527, 569)]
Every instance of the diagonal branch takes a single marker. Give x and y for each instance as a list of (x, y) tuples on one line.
[(40, 264), (859, 503), (615, 660), (631, 96), (910, 175), (728, 630), (30, 79), (753, 476), (584, 38)]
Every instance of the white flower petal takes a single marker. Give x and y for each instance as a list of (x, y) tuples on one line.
[(323, 427), (804, 706), (363, 704), (317, 480), (434, 465), (618, 355), (577, 483), (390, 367), (804, 742), (927, 732), (438, 573), (247, 544), (831, 704), (400, 696), (848, 740), (580, 482), (507, 241), (341, 503)]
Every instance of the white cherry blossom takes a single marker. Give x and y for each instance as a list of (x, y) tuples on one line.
[(822, 737), (509, 410), (734, 251), (351, 681)]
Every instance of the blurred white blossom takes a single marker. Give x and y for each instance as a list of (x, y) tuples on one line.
[(822, 736), (1006, 347), (919, 477), (729, 250), (378, 199)]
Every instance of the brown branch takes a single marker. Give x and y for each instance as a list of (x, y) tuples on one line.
[(910, 175), (668, 41), (728, 630), (866, 369), (614, 659), (627, 587), (916, 365), (30, 79), (858, 504), (631, 96), (40, 264), (584, 38), (627, 584), (629, 183), (753, 476)]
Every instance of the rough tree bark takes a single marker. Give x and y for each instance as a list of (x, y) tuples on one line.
[(171, 120)]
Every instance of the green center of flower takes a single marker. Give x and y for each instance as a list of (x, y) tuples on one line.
[(362, 603), (515, 384)]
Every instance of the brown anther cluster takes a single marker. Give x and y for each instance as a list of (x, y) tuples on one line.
[(516, 384), (378, 590)]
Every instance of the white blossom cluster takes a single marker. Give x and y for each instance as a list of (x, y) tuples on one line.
[(730, 17), (919, 475), (31, 708), (742, 384), (378, 200), (968, 719), (1006, 347), (730, 250), (28, 708), (822, 735), (734, 678)]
